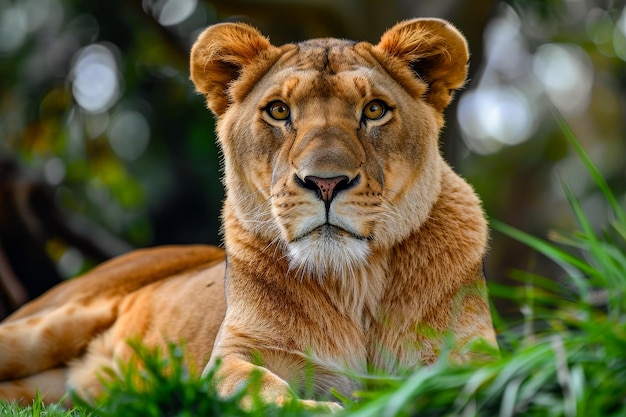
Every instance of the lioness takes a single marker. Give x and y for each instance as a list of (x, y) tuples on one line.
[(351, 244)]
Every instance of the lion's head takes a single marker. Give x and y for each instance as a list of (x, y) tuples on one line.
[(330, 146)]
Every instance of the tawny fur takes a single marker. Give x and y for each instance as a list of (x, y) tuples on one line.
[(380, 272)]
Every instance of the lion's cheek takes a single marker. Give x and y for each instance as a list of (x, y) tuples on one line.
[(249, 150), (411, 189)]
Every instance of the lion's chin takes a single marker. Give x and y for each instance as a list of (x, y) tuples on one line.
[(328, 252)]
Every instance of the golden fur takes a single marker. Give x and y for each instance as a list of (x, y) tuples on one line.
[(351, 243)]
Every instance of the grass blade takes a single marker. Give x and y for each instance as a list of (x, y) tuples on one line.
[(591, 168), (543, 247)]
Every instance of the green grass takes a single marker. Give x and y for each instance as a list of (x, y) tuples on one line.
[(566, 356), (38, 409)]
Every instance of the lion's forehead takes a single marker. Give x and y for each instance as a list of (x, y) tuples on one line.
[(325, 68), (326, 55)]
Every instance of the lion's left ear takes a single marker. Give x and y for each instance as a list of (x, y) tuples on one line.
[(434, 50)]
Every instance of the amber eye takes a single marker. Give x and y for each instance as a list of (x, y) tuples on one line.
[(374, 110), (278, 110)]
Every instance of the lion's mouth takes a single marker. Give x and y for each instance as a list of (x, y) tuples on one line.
[(328, 231)]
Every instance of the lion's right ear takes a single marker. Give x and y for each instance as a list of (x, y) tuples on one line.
[(218, 57)]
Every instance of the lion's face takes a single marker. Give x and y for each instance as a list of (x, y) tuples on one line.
[(330, 148)]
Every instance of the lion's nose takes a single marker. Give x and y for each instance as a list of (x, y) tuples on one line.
[(327, 188)]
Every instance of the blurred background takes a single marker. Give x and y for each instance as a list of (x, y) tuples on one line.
[(105, 147)]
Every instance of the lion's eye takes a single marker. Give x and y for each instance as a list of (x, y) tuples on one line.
[(278, 110), (374, 110)]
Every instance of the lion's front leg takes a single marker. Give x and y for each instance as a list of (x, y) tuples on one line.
[(236, 373)]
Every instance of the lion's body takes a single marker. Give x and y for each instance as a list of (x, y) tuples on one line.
[(68, 334), (351, 244)]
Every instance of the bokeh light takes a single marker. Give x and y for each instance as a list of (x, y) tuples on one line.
[(129, 134), (619, 36), (518, 86), (19, 19), (174, 12), (498, 111), (54, 171), (95, 79), (170, 12), (495, 116), (566, 74), (12, 29)]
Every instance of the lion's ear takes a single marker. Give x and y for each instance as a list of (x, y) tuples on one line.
[(218, 57), (434, 50)]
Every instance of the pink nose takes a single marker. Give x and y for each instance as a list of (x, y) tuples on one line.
[(327, 188)]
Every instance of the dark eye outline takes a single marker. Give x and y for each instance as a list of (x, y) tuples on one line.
[(383, 106), (272, 105)]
